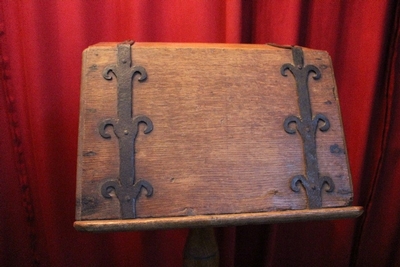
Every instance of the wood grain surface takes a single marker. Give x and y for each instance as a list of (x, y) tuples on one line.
[(218, 144)]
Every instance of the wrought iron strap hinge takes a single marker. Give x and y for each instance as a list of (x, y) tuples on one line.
[(306, 126), (126, 128)]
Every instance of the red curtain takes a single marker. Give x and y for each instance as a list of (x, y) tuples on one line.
[(40, 55)]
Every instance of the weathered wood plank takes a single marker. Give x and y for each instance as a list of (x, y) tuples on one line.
[(218, 144)]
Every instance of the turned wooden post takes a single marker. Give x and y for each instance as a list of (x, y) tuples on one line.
[(201, 249)]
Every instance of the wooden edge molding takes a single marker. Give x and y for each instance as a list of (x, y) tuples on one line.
[(218, 220)]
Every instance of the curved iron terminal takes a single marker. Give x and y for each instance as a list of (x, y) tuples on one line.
[(140, 70), (312, 68), (104, 124), (320, 117), (144, 119), (107, 187), (146, 185), (107, 70), (328, 180), (286, 67), (289, 120), (298, 179)]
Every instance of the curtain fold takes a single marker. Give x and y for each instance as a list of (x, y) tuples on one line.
[(380, 225), (40, 52)]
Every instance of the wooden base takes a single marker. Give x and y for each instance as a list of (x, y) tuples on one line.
[(218, 220)]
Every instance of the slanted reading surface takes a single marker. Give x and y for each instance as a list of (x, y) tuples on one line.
[(209, 130)]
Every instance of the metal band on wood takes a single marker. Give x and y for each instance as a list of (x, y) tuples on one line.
[(306, 126), (126, 128)]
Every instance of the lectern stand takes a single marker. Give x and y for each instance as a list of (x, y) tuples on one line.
[(201, 248), (203, 135)]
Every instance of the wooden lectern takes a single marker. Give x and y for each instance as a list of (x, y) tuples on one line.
[(203, 135)]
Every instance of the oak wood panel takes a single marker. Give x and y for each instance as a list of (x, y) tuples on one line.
[(218, 144)]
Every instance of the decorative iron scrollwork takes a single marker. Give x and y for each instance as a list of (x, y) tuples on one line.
[(306, 126), (126, 128)]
